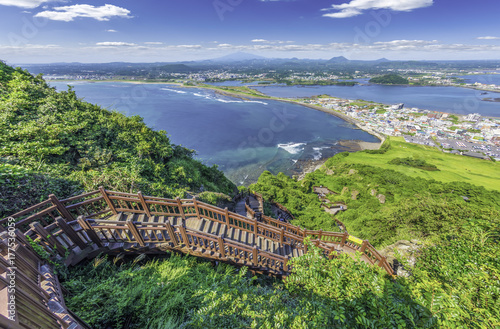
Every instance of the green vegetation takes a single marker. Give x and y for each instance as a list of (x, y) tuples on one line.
[(390, 79), (317, 83), (444, 291), (415, 163), (237, 90), (452, 167), (397, 215), (52, 142), (55, 143), (454, 119)]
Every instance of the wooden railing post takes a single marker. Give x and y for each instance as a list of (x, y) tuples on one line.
[(50, 239), (226, 213), (320, 234), (90, 231), (108, 200), (254, 252), (181, 209), (344, 238), (330, 253), (255, 227), (222, 250), (196, 208), (171, 234), (282, 236), (61, 208), (364, 245), (70, 233), (144, 204), (135, 232), (184, 235)]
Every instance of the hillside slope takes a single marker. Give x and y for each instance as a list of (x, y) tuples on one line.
[(53, 142)]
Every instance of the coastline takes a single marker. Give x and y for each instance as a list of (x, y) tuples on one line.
[(342, 116)]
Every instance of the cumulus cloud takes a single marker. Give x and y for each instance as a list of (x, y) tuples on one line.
[(356, 7), (69, 13), (115, 44), (23, 3), (488, 38)]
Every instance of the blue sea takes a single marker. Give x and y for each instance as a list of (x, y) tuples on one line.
[(243, 138), (445, 99)]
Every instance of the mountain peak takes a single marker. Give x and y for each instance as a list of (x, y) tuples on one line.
[(339, 59)]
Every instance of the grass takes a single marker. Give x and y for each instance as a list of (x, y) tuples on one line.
[(452, 167)]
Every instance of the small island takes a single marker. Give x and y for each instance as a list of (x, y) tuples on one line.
[(390, 79)]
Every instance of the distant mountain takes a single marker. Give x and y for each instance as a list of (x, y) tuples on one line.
[(339, 59), (238, 57), (176, 68), (382, 60)]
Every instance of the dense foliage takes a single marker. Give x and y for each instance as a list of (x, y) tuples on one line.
[(60, 137), (455, 284), (383, 205), (390, 79), (415, 163)]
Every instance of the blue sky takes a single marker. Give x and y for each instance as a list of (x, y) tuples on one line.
[(44, 31)]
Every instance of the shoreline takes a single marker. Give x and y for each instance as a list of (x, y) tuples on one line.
[(314, 107)]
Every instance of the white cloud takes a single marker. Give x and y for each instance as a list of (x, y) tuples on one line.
[(356, 7), (488, 38), (271, 42), (69, 13), (115, 44), (23, 3), (112, 31), (29, 47), (153, 43)]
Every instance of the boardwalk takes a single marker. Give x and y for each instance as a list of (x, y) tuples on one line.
[(85, 226)]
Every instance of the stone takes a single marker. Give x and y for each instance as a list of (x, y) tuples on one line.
[(381, 198), (353, 171), (373, 192), (354, 195), (345, 190), (406, 251)]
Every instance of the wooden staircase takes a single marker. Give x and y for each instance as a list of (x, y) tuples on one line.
[(84, 226)]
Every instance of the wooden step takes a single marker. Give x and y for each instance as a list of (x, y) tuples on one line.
[(202, 224)]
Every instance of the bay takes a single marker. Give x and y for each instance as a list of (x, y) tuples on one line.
[(444, 99), (243, 138)]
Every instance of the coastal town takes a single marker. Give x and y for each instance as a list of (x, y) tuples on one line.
[(470, 135)]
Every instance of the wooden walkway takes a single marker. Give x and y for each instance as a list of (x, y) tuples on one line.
[(87, 225)]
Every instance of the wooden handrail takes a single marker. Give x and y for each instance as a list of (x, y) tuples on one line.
[(267, 227)]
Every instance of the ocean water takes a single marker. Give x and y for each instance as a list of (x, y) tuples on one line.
[(243, 138), (445, 99), (490, 79)]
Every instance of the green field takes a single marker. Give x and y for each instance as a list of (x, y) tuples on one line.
[(452, 167)]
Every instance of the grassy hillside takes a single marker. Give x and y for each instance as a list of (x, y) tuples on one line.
[(451, 167), (383, 205), (444, 291), (53, 142)]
